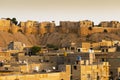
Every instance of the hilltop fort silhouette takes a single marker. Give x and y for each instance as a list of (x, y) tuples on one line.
[(83, 28)]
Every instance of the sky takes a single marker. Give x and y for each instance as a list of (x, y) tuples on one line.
[(61, 10)]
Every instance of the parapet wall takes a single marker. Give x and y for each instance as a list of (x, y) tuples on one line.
[(69, 27), (114, 24), (63, 75), (84, 31), (82, 28)]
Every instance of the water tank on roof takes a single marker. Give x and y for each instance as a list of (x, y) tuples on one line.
[(36, 68), (91, 50), (53, 68), (78, 58)]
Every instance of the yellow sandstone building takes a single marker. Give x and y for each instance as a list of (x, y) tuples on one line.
[(90, 70), (62, 74)]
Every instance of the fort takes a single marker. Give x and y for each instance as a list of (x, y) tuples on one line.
[(82, 28), (76, 60)]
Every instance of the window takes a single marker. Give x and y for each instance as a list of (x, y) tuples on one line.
[(79, 50), (103, 50), (98, 77), (106, 50), (75, 67), (77, 62), (103, 59), (72, 48), (105, 31)]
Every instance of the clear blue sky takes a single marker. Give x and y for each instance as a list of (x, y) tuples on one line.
[(61, 10)]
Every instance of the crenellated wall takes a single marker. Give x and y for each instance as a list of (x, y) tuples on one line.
[(114, 24), (84, 31), (69, 27), (46, 27), (82, 28)]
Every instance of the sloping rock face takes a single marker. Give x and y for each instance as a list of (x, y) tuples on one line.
[(28, 40), (56, 38), (65, 39), (60, 39), (97, 37)]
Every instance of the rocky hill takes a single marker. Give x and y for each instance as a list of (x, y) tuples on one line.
[(57, 39), (29, 40), (43, 33), (106, 36), (64, 40)]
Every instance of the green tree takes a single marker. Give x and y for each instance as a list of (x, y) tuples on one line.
[(52, 46), (35, 50), (13, 20)]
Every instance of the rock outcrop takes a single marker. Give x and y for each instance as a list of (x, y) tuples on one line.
[(29, 40)]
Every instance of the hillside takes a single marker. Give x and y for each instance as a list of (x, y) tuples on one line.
[(58, 39), (106, 36), (6, 37), (64, 40)]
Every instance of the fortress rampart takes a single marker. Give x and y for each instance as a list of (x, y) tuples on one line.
[(82, 28)]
